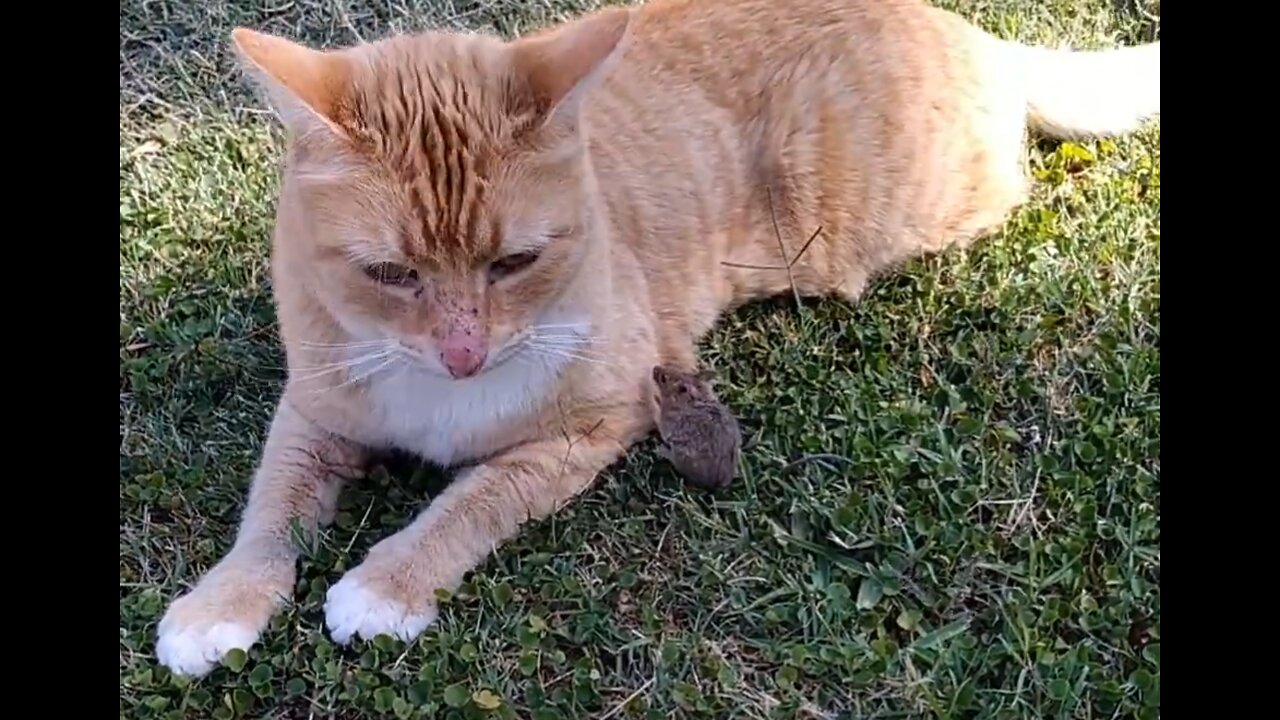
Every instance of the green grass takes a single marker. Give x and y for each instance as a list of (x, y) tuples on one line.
[(991, 549)]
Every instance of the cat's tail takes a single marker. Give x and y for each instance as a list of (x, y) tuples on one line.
[(1077, 94)]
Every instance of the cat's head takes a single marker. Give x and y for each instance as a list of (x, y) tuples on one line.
[(443, 198)]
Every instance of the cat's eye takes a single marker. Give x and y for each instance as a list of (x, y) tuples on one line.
[(513, 263), (389, 273)]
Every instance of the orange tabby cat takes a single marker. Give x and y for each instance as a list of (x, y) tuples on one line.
[(483, 247)]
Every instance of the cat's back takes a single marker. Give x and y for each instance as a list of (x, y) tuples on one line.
[(737, 52), (730, 128), (879, 120), (732, 80)]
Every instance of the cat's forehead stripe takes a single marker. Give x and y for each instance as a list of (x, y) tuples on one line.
[(437, 131)]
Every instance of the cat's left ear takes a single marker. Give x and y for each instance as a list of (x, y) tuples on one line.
[(559, 68)]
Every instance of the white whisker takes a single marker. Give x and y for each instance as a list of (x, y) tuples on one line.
[(557, 353), (395, 357), (560, 326), (343, 362), (344, 345), (311, 373), (574, 337), (554, 340), (577, 359), (568, 347), (568, 353), (563, 337), (356, 378)]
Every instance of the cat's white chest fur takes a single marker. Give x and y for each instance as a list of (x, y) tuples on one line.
[(448, 421)]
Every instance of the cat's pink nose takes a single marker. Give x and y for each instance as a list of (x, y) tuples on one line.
[(463, 355)]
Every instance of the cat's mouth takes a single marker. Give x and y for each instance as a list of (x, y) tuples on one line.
[(558, 346), (432, 364)]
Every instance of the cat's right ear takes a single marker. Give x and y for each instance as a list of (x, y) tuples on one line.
[(305, 87), (560, 66)]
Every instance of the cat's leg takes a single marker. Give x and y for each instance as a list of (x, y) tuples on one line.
[(393, 590), (679, 353), (298, 480)]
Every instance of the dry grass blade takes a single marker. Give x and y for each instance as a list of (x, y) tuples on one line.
[(787, 265)]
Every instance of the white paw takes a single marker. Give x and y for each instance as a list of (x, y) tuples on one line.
[(351, 608), (194, 650)]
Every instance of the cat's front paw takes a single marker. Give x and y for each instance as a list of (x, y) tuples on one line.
[(192, 649), (225, 611), (359, 605)]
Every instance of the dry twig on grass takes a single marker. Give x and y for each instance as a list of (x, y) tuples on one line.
[(782, 250), (572, 441)]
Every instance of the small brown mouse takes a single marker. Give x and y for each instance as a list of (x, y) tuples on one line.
[(702, 436)]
